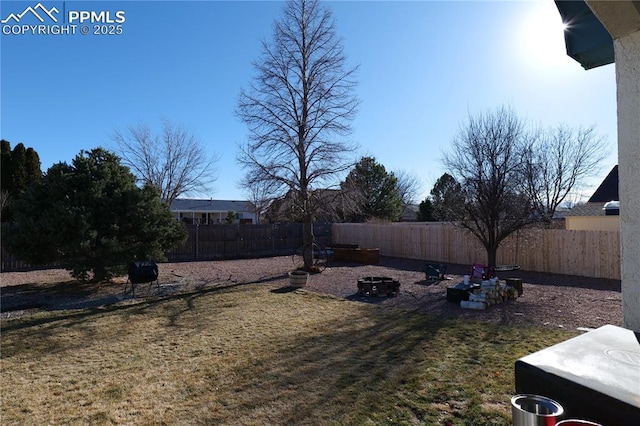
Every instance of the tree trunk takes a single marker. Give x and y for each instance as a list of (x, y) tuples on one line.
[(492, 253), (307, 240)]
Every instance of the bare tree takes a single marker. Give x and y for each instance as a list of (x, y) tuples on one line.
[(560, 160), (409, 186), (259, 193), (487, 159), (298, 110), (175, 161)]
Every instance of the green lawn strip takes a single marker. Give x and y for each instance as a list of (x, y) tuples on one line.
[(251, 354)]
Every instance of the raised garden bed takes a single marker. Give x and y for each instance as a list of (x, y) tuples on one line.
[(367, 256)]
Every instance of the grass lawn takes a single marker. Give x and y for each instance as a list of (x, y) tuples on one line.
[(256, 354)]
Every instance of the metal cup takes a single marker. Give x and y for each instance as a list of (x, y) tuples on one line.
[(534, 410)]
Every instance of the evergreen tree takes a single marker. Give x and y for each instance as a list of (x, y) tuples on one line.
[(448, 199), (91, 217), (19, 169), (6, 171), (231, 217), (32, 166), (425, 211), (375, 192)]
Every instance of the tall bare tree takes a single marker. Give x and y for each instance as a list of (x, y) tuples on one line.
[(488, 160), (298, 110), (175, 161), (560, 160)]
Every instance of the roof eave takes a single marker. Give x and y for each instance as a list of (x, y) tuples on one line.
[(586, 39)]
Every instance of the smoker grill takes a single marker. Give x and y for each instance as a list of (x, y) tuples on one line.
[(141, 272)]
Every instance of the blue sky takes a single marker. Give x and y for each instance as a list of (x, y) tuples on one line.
[(424, 66)]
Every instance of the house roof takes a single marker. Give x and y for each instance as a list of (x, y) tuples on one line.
[(197, 205), (410, 213), (587, 209), (608, 189), (586, 39)]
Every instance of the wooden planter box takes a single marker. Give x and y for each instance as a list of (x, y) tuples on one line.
[(358, 255)]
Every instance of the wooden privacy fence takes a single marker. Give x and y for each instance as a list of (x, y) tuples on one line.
[(217, 242), (558, 251)]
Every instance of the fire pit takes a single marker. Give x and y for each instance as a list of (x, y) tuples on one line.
[(378, 286)]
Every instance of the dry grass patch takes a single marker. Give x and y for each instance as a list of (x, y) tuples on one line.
[(258, 354)]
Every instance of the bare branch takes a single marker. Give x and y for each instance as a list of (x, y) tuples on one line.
[(409, 186), (175, 162), (559, 162)]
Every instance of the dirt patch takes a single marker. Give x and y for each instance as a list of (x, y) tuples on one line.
[(549, 300)]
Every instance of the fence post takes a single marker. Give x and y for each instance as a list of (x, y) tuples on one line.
[(197, 248)]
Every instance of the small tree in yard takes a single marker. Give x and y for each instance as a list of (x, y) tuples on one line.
[(91, 217), (231, 217), (298, 110), (488, 159)]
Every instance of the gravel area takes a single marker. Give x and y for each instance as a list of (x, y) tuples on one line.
[(557, 301)]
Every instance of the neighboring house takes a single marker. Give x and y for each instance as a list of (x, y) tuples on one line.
[(325, 202), (410, 213), (213, 212), (593, 216)]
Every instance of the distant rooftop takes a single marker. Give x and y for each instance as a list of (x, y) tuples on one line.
[(200, 205), (588, 209), (608, 189)]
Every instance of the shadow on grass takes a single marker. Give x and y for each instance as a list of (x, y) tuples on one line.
[(343, 364), (138, 305), (349, 370), (284, 290), (367, 371)]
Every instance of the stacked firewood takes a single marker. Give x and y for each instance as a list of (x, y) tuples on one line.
[(490, 292)]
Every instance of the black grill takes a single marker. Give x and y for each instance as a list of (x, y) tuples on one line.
[(143, 272)]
